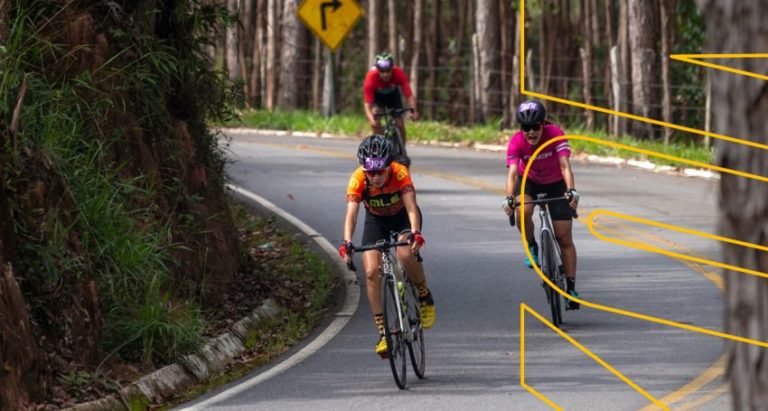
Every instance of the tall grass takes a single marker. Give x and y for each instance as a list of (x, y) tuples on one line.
[(96, 220)]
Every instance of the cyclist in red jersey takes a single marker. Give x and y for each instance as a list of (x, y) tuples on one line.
[(382, 88), (386, 189), (549, 173)]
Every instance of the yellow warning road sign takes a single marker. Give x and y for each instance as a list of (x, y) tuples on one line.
[(330, 20)]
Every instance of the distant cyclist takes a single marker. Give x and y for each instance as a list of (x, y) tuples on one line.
[(386, 189), (382, 89), (549, 173)]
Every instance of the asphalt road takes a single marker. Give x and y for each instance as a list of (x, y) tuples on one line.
[(474, 263)]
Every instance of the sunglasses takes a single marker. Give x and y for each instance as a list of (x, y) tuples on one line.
[(526, 127), (375, 172)]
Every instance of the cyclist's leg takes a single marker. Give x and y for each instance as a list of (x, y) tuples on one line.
[(415, 271), (373, 231), (531, 189), (562, 219)]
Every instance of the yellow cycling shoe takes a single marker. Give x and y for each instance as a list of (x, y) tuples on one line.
[(427, 315), (381, 347)]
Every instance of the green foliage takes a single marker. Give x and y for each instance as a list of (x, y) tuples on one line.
[(437, 131), (100, 219)]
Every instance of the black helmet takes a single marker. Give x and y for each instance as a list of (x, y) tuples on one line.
[(374, 153), (384, 61), (531, 112)]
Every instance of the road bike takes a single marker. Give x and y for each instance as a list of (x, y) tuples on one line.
[(551, 263), (402, 312), (393, 133)]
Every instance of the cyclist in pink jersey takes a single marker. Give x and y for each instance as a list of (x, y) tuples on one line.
[(550, 173)]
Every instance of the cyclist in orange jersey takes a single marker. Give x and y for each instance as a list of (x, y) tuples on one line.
[(386, 189)]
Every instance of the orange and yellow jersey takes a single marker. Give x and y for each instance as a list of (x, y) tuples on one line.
[(384, 201)]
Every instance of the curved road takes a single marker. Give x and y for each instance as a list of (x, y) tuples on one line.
[(474, 266)]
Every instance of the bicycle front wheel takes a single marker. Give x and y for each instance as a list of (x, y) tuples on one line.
[(550, 267), (393, 331), (416, 344)]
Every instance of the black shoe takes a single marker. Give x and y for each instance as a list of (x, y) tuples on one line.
[(572, 305)]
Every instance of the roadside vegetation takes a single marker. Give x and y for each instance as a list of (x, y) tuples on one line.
[(428, 131)]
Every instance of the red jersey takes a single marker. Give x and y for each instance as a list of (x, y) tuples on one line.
[(373, 82), (384, 201)]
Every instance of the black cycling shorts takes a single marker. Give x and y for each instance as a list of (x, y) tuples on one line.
[(388, 98), (559, 210), (378, 228)]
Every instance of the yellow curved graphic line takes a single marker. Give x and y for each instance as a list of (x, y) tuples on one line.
[(695, 59), (525, 308)]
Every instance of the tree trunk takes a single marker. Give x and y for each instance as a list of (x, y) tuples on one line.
[(373, 29), (586, 61), (515, 91), (740, 107), (458, 93), (416, 52), (392, 30), (433, 51), (294, 55), (617, 81), (23, 375), (507, 29), (256, 57), (624, 68), (271, 67), (489, 43), (233, 41), (666, 8), (642, 43), (317, 74)]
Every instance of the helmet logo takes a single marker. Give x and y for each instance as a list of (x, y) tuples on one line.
[(530, 105), (375, 163), (383, 65)]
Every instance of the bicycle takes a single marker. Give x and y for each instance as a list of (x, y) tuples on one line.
[(402, 312), (393, 133), (551, 263)]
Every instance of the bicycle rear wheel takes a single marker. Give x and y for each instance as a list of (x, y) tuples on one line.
[(416, 345), (393, 332), (550, 267)]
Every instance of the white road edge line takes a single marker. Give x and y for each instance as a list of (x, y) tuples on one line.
[(351, 300)]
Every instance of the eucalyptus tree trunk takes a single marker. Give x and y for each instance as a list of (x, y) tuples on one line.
[(372, 18), (586, 59), (416, 52), (489, 43), (433, 51), (642, 45), (458, 91), (392, 32), (740, 109), (624, 69), (666, 9), (256, 57), (271, 67), (294, 56), (232, 35)]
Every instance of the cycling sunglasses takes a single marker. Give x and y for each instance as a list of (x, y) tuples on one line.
[(528, 127), (375, 172)]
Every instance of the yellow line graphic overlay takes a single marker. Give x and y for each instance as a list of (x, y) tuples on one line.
[(525, 308), (658, 250), (695, 59)]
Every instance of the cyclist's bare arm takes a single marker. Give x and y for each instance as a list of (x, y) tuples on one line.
[(412, 104), (369, 114), (565, 169), (512, 181), (409, 200), (350, 220)]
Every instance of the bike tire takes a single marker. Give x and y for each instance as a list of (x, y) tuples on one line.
[(402, 155), (547, 257), (416, 345), (393, 333)]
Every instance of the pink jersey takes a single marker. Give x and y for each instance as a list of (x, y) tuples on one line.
[(546, 167)]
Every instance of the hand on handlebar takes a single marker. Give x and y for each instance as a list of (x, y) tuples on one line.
[(573, 198), (414, 115), (508, 205), (416, 240), (346, 250)]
